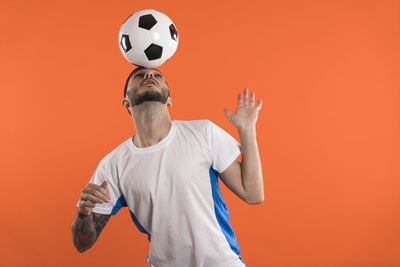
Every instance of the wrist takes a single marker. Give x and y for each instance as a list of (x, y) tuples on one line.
[(82, 215), (246, 130)]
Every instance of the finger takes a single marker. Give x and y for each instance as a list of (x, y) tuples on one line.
[(86, 204), (228, 114), (99, 192), (101, 189), (252, 99), (89, 204), (259, 104), (246, 96), (104, 184), (92, 198), (240, 99)]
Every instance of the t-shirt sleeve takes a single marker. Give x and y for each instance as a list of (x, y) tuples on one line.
[(224, 148), (103, 173)]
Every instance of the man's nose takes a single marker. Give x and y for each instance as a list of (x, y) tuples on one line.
[(147, 75)]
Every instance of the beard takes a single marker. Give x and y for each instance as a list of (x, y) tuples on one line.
[(150, 95)]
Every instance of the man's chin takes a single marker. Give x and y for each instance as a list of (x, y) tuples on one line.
[(149, 96), (149, 102)]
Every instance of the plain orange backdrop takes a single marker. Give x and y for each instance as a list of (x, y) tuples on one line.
[(328, 73)]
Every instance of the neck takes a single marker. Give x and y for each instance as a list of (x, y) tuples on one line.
[(152, 123)]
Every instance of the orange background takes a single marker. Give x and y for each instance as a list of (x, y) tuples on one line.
[(328, 131)]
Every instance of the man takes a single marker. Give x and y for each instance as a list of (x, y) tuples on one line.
[(167, 175)]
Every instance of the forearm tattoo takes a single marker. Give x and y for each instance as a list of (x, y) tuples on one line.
[(100, 222), (87, 229)]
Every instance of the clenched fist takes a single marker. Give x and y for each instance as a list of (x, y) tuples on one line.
[(91, 195)]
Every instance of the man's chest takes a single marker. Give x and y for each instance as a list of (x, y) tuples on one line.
[(174, 170)]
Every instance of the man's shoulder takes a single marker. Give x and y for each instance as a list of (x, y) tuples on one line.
[(116, 153), (202, 126)]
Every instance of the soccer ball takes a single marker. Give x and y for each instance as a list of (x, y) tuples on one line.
[(148, 38)]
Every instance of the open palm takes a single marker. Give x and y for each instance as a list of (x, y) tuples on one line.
[(246, 113)]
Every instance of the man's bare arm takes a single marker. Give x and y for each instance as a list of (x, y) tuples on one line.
[(245, 178), (86, 229)]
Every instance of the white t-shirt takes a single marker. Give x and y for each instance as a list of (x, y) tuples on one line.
[(172, 192)]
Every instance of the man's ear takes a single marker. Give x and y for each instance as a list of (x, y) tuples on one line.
[(169, 102), (125, 103)]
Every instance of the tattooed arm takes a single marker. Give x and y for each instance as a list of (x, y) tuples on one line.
[(86, 229)]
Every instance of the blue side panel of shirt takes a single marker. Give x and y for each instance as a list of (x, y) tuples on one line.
[(121, 202), (222, 213)]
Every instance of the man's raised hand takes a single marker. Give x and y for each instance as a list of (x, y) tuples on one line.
[(246, 113)]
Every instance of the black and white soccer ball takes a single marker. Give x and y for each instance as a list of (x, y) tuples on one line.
[(148, 38)]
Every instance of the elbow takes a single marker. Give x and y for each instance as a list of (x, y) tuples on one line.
[(80, 249), (255, 201), (76, 243)]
